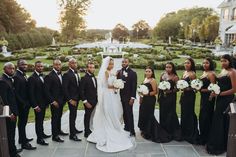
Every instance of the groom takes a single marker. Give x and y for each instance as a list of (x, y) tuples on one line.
[(128, 94), (89, 95)]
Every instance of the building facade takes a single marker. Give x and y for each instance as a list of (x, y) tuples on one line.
[(227, 29)]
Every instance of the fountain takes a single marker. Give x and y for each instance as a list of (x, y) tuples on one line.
[(53, 42), (112, 47), (4, 44)]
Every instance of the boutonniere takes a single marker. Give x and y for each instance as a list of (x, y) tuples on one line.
[(125, 73)]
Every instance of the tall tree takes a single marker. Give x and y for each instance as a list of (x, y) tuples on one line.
[(167, 26), (211, 28), (14, 18), (120, 32), (72, 17), (194, 29), (141, 29), (184, 23)]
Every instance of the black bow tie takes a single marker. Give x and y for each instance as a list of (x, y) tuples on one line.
[(76, 72), (41, 75), (124, 69), (59, 73)]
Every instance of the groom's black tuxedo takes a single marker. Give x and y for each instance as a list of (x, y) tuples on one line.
[(88, 93), (128, 92), (54, 92)]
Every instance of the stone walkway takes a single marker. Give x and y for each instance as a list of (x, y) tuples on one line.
[(143, 148)]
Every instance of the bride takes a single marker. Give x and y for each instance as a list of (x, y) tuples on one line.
[(107, 129)]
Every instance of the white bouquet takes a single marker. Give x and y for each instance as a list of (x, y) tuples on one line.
[(214, 88), (182, 84), (196, 84), (164, 85), (143, 90), (118, 84)]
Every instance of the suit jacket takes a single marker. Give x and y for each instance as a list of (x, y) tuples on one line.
[(54, 88), (21, 89), (71, 86), (87, 90), (7, 92), (36, 91), (130, 87)]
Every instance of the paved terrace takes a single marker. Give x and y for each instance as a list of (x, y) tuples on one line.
[(143, 148)]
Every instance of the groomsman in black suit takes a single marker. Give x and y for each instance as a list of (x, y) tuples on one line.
[(7, 92), (54, 93), (128, 94), (88, 92), (38, 101), (71, 85), (21, 91)]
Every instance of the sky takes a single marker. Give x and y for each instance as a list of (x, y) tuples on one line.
[(105, 14)]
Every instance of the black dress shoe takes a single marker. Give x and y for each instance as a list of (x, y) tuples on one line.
[(57, 139), (132, 134), (17, 155), (28, 146), (19, 150), (78, 131), (63, 133), (87, 134), (46, 136), (75, 138), (42, 142)]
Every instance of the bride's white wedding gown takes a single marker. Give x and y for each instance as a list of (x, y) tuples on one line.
[(107, 128)]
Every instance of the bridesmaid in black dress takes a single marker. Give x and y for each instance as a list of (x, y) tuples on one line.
[(217, 142), (167, 100), (150, 128), (206, 103), (189, 123)]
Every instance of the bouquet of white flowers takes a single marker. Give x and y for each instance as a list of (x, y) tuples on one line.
[(118, 84), (182, 84), (143, 90), (214, 88), (164, 85), (196, 84)]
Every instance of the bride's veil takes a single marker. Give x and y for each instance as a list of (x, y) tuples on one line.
[(98, 114)]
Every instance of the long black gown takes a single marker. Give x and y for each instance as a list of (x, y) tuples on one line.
[(147, 123), (168, 116), (217, 142), (189, 123), (206, 112)]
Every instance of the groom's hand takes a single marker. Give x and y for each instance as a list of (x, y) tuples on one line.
[(88, 105), (131, 101)]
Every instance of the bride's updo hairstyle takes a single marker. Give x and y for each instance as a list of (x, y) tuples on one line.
[(111, 64)]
